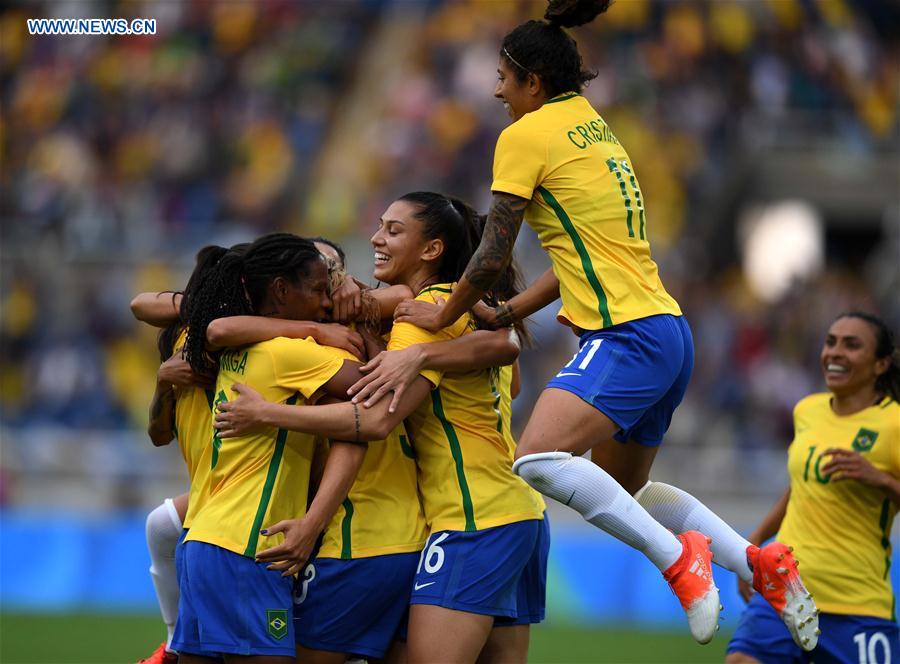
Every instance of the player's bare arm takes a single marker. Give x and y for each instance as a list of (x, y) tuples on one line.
[(394, 371), (487, 264)]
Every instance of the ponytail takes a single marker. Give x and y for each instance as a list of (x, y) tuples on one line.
[(238, 284), (572, 13), (544, 49), (206, 260)]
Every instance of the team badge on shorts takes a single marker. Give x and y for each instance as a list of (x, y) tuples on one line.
[(277, 621), (865, 440)]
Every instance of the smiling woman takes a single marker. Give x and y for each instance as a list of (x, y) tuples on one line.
[(844, 465), (559, 166)]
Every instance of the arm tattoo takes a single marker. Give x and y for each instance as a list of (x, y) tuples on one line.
[(505, 315), (495, 251), (356, 418)]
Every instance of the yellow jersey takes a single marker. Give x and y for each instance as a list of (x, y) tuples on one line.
[(193, 429), (258, 479), (382, 513), (587, 209), (840, 531), (463, 452), (503, 397)]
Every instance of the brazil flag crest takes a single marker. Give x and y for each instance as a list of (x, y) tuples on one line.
[(277, 620), (865, 440)]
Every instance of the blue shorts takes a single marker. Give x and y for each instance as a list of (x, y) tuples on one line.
[(635, 373), (762, 635), (480, 572), (531, 594), (358, 607), (187, 620), (230, 604)]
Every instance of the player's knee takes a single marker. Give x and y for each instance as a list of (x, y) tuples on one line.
[(534, 468), (640, 493), (162, 535), (740, 658)]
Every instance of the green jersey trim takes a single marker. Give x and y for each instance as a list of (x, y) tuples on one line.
[(563, 97), (434, 289), (346, 543), (586, 264), (274, 465), (456, 452), (884, 523)]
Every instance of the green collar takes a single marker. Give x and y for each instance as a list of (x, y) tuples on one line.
[(563, 97)]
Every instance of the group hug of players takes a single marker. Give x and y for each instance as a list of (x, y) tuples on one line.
[(407, 524)]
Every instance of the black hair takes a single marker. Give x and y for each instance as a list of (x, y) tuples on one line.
[(889, 382), (506, 287), (452, 221), (543, 48), (238, 284), (207, 258), (334, 245)]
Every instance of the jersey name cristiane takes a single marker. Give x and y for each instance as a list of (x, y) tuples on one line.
[(260, 478), (463, 450), (840, 531), (587, 209)]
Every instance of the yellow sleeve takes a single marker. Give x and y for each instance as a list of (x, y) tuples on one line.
[(404, 335), (304, 365), (520, 161)]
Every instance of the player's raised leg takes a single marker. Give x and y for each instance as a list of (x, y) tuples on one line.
[(564, 422)]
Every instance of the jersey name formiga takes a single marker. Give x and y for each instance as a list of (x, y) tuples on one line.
[(193, 429), (464, 453), (587, 209), (260, 478), (840, 530)]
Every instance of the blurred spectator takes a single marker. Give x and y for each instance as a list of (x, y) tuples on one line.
[(120, 155)]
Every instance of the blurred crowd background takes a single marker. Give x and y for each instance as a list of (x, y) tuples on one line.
[(764, 132)]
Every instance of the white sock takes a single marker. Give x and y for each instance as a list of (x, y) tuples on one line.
[(593, 493), (163, 531), (680, 511)]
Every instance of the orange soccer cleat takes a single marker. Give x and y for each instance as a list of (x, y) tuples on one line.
[(160, 656), (690, 578), (776, 578)]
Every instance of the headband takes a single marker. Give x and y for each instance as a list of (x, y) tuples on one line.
[(514, 61)]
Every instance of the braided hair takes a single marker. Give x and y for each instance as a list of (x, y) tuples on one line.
[(543, 48), (238, 285), (889, 382), (207, 258)]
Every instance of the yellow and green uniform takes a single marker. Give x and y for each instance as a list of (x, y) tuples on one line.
[(193, 429), (382, 514), (261, 478), (463, 450), (503, 377), (587, 209), (840, 531)]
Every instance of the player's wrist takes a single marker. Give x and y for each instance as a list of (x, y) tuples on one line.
[(266, 414), (422, 356)]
